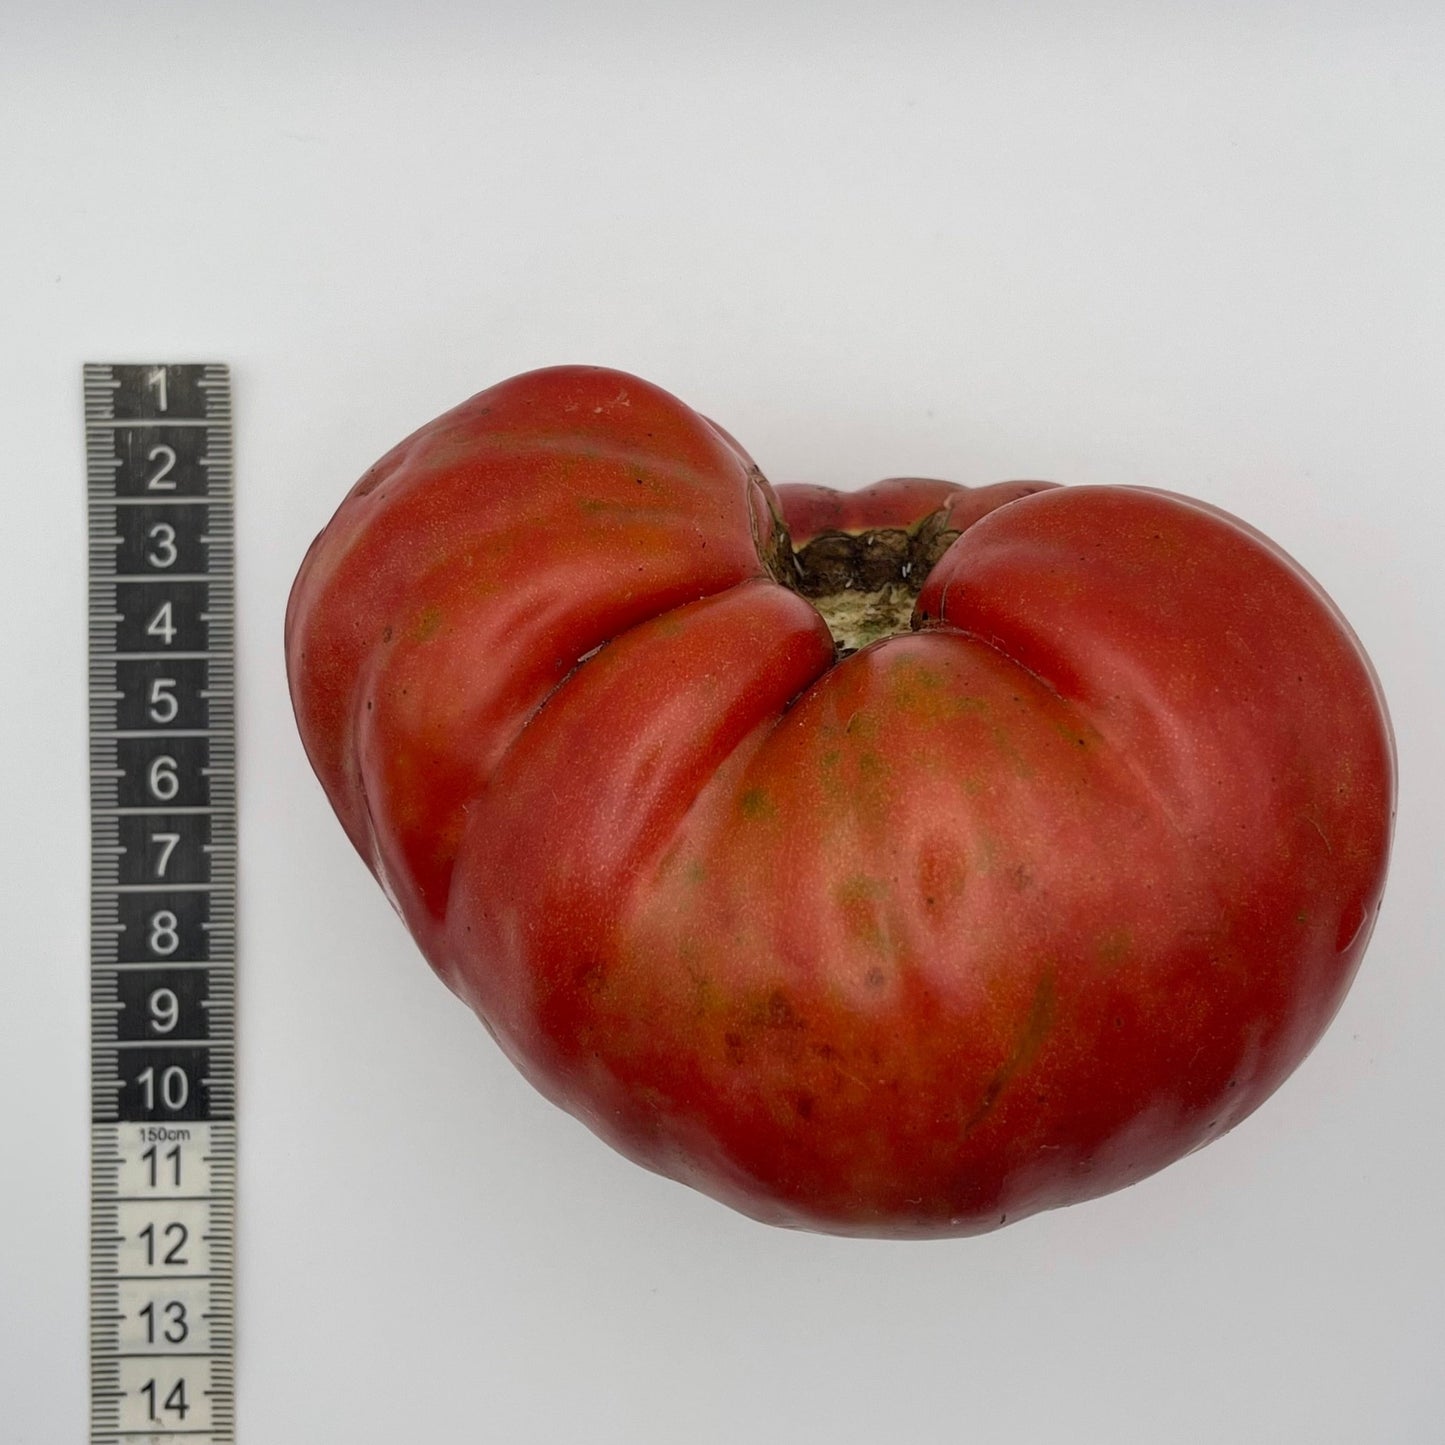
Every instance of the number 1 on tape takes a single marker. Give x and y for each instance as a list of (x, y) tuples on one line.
[(163, 903)]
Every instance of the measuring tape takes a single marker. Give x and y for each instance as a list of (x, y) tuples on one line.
[(162, 904)]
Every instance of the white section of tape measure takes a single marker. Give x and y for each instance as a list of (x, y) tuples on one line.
[(162, 1281)]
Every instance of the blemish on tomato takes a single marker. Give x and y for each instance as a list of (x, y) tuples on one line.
[(428, 624), (756, 804), (861, 726), (1113, 946), (706, 996), (776, 1011), (858, 900), (1036, 1028), (872, 764), (589, 976), (780, 1012), (941, 872)]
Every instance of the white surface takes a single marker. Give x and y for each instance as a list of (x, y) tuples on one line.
[(1191, 245)]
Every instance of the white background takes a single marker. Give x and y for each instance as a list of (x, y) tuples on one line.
[(1193, 245)]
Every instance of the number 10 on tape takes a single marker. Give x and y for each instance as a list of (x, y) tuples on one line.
[(163, 903)]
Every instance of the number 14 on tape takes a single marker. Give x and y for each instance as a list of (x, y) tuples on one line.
[(163, 903)]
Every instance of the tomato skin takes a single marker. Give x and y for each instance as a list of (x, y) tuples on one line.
[(991, 916)]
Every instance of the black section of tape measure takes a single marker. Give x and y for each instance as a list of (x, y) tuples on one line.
[(162, 718)]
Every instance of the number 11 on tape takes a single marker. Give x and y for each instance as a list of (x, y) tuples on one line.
[(162, 903)]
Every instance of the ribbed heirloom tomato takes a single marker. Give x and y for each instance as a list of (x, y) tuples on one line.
[(899, 862)]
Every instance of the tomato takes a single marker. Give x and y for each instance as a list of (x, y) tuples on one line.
[(899, 862)]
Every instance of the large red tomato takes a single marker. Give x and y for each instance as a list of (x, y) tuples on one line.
[(1041, 868)]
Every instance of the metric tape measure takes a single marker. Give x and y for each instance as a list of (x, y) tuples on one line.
[(163, 903)]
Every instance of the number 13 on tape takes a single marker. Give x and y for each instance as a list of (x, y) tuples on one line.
[(163, 903)]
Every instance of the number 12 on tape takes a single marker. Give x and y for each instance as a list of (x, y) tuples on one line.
[(163, 903)]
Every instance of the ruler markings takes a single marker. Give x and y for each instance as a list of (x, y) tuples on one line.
[(161, 609)]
